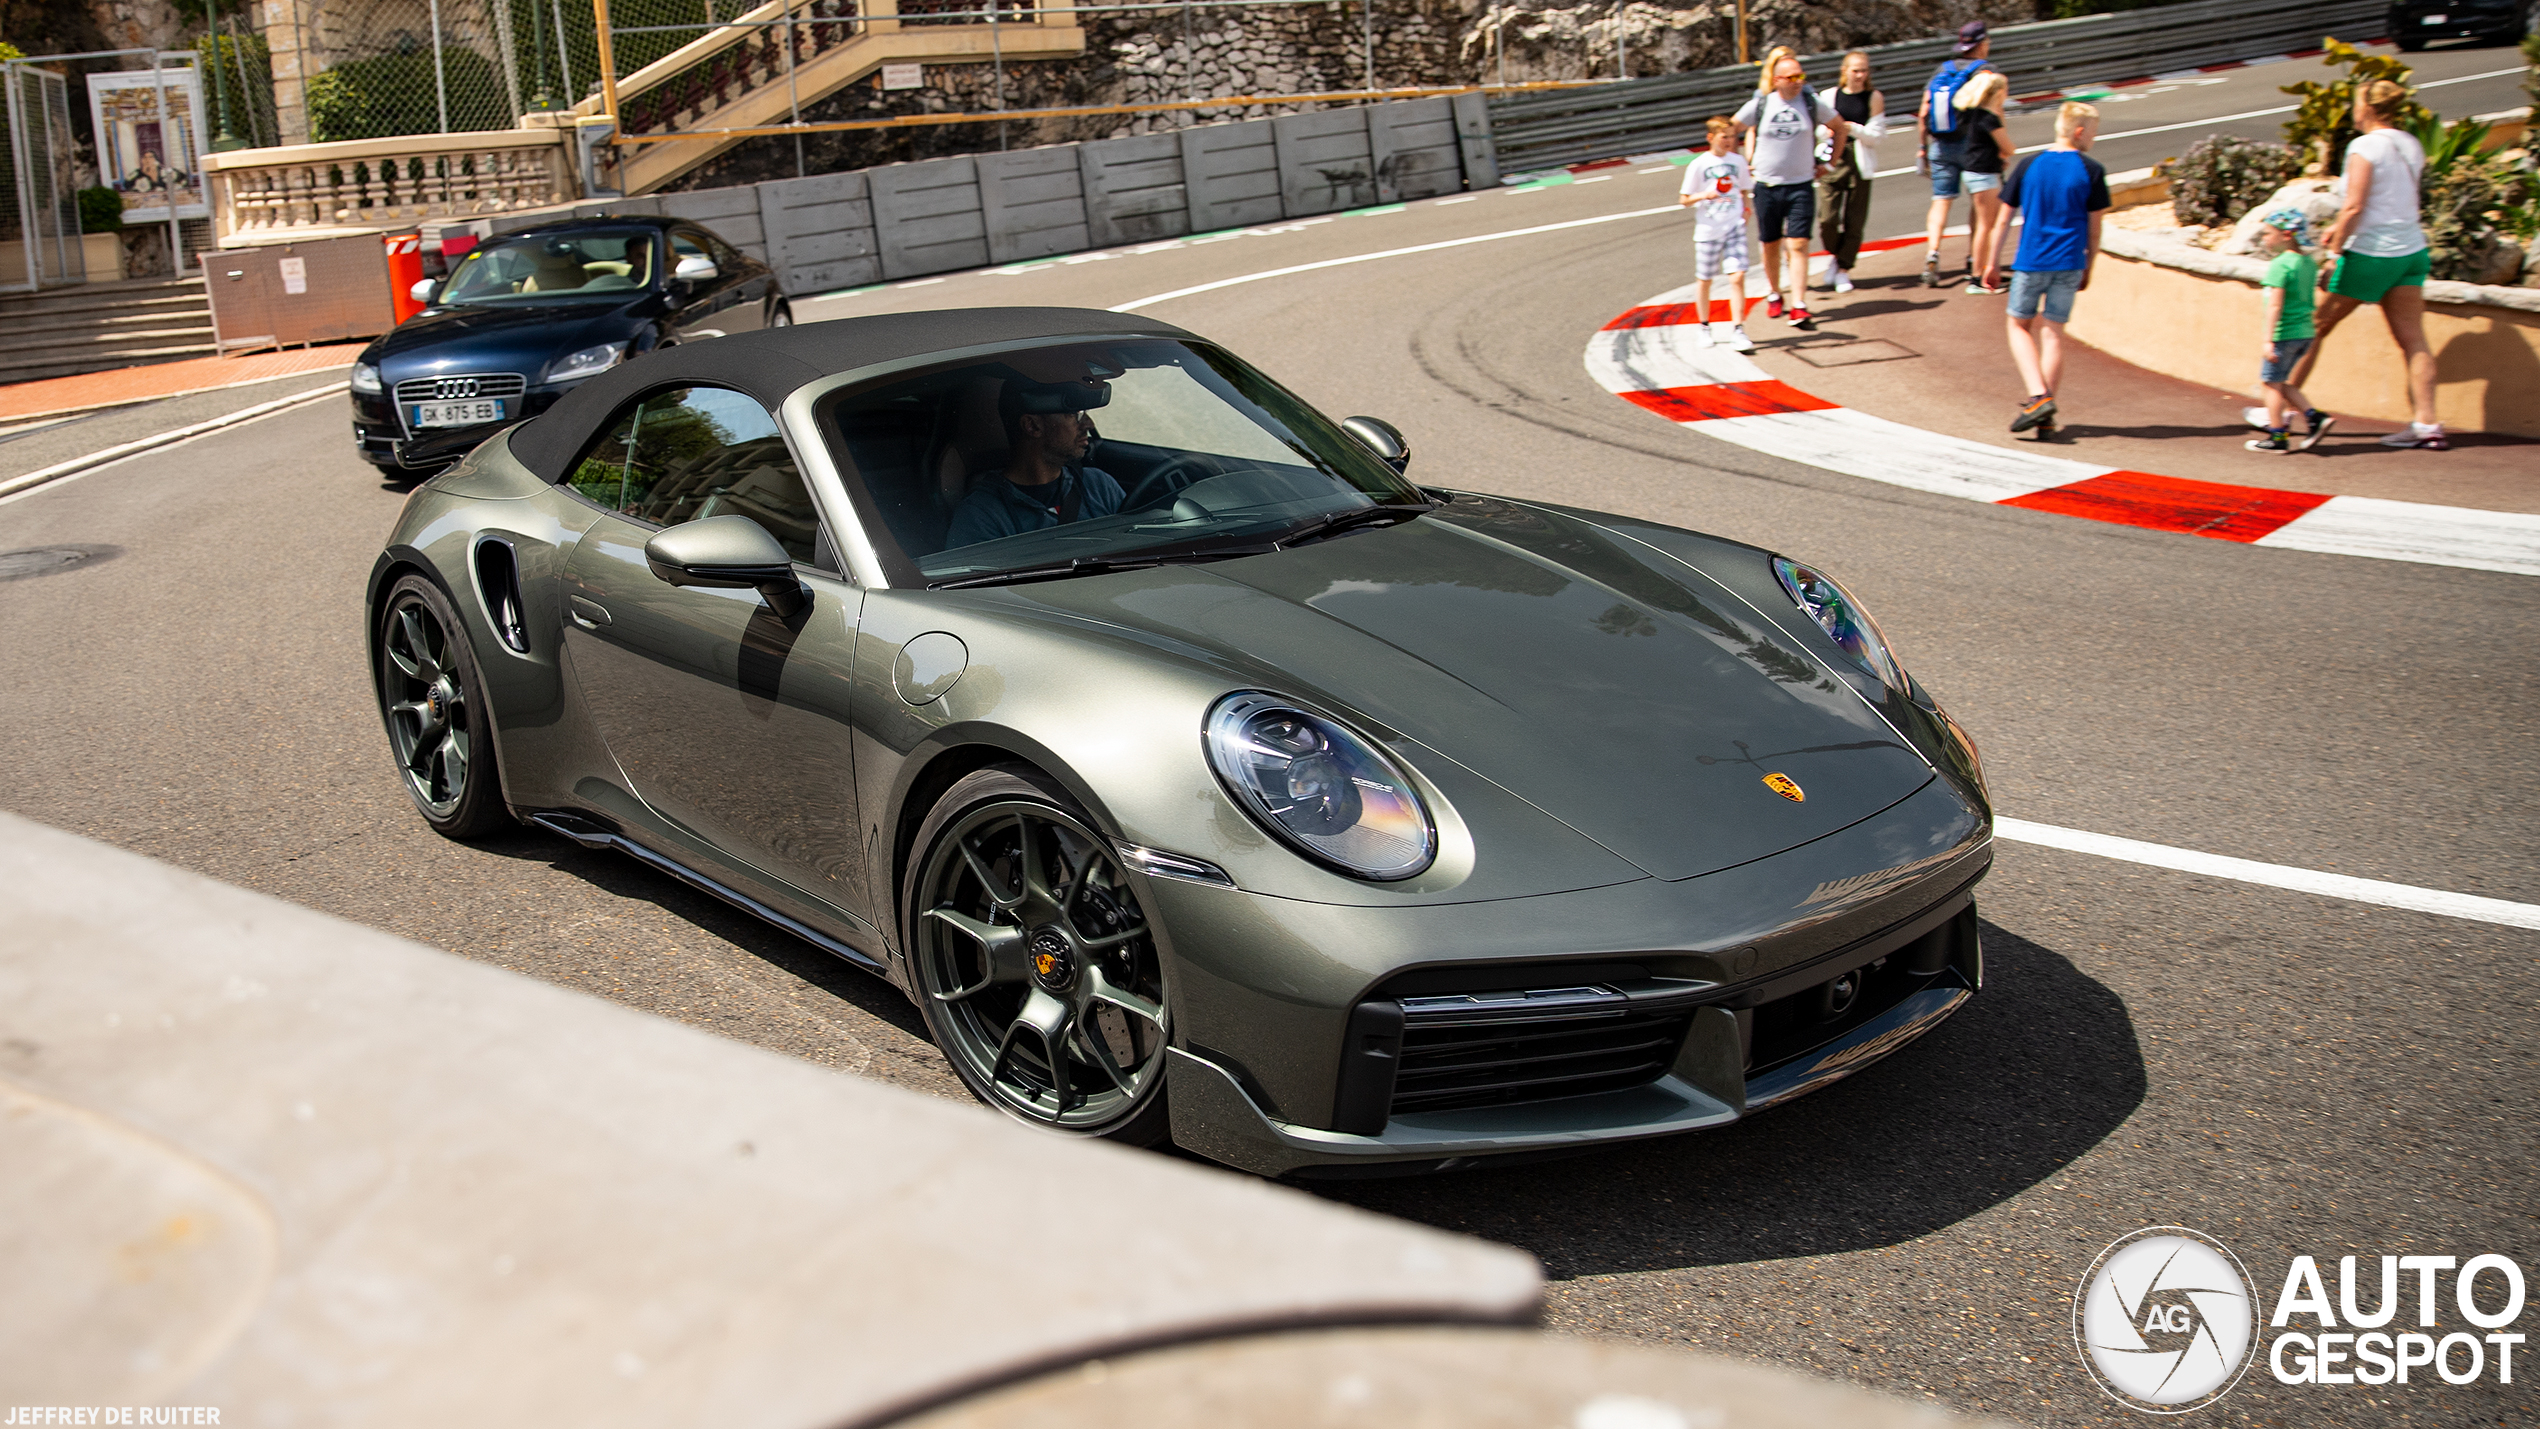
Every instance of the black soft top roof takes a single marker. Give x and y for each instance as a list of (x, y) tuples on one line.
[(771, 364)]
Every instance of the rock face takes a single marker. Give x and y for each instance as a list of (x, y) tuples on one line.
[(1162, 56)]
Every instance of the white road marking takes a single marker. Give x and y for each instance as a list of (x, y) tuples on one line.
[(2221, 119), (20, 486), (1132, 307), (2275, 875)]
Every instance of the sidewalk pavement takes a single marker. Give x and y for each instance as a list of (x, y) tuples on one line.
[(1935, 358), (65, 396)]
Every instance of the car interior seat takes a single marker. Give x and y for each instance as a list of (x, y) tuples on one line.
[(968, 442), (555, 273)]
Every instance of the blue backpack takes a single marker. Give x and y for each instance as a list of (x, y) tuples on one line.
[(1939, 115)]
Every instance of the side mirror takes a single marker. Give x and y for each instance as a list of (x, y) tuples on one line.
[(421, 292), (728, 553), (696, 270), (1382, 439)]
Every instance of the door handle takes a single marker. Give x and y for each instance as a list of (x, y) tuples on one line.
[(589, 614)]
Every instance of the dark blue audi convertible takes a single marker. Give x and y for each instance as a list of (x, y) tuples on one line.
[(528, 316)]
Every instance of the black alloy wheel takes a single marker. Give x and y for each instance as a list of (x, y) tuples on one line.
[(432, 698), (1034, 964)]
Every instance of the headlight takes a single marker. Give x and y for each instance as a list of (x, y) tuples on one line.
[(1320, 787), (1842, 618), (366, 378), (589, 362)]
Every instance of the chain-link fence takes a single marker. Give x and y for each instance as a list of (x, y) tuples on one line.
[(238, 87), (395, 67), (39, 207)]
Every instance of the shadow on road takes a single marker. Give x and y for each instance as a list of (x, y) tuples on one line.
[(2034, 1072), (621, 875)]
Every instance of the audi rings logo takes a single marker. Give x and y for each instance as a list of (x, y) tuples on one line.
[(454, 389), (2165, 1320)]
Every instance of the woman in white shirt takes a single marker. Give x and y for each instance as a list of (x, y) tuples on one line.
[(2382, 252), (1850, 165)]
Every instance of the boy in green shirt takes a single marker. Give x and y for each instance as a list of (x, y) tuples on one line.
[(2290, 281)]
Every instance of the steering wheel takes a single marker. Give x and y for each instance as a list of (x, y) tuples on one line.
[(1152, 488)]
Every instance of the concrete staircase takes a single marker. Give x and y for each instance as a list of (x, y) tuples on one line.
[(740, 78), (98, 326)]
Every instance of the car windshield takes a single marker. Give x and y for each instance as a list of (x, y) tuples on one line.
[(1093, 455), (559, 267)]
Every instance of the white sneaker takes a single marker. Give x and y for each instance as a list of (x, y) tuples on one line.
[(1702, 336), (1738, 339), (1842, 281)]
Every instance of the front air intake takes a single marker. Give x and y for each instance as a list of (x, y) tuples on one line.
[(1500, 1048)]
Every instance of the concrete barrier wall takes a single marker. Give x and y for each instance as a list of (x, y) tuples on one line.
[(2200, 317), (900, 221)]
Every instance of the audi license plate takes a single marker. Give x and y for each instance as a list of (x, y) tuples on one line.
[(471, 413), (2437, 20)]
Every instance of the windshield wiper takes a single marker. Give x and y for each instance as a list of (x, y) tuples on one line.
[(1100, 565), (1332, 523)]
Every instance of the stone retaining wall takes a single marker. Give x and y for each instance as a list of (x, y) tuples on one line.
[(2164, 304)]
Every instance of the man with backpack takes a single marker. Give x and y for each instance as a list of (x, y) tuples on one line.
[(1784, 119), (1942, 125)]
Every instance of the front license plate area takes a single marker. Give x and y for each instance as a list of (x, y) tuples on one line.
[(2438, 19), (471, 413)]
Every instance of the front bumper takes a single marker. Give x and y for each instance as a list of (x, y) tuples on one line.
[(380, 436), (1214, 1117), (1310, 1036)]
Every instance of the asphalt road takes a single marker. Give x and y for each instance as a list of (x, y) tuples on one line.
[(2292, 1074)]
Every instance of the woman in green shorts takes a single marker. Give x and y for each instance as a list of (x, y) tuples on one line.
[(2381, 250)]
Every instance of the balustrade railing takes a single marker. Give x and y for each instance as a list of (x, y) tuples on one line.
[(375, 184)]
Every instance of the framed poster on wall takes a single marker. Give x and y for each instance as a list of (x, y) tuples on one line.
[(146, 152)]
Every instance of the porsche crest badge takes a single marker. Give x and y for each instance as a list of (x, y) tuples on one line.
[(1786, 786)]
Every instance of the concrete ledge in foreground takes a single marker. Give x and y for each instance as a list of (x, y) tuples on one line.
[(266, 1161)]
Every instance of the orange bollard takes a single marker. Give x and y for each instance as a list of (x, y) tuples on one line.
[(405, 269)]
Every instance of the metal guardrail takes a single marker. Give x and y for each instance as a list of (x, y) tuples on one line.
[(1537, 131)]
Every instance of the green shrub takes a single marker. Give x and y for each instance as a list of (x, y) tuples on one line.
[(2324, 124), (389, 95), (100, 210), (2220, 177), (2473, 202)]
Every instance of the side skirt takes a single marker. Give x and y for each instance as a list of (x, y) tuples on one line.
[(591, 835)]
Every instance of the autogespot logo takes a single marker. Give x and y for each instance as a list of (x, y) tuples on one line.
[(2165, 1320)]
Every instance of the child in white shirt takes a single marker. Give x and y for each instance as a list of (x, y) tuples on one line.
[(1716, 187)]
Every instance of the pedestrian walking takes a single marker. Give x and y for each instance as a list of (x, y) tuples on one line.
[(1846, 191), (1717, 187), (2062, 197), (1784, 120), (1984, 151), (1937, 138), (2290, 277), (2382, 254)]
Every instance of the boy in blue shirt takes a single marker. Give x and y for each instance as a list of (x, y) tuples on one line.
[(2062, 196)]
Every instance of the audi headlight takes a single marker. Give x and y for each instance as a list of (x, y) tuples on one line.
[(589, 362), (1842, 618), (1328, 793), (366, 378)]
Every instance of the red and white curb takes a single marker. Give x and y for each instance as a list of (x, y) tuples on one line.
[(1649, 357)]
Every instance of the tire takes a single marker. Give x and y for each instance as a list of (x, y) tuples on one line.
[(2411, 43), (432, 700), (1023, 965)]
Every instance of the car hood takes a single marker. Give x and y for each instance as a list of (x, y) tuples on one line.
[(493, 338), (1616, 688)]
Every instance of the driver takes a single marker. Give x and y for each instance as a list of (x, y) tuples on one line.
[(1045, 481)]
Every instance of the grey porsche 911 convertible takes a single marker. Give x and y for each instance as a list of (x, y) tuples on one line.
[(1197, 774)]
